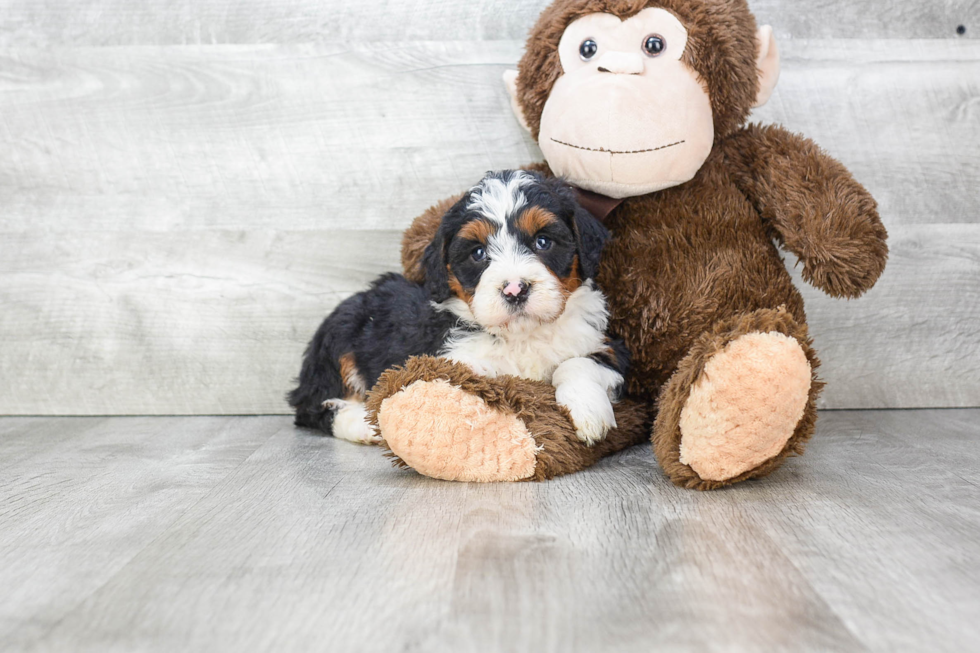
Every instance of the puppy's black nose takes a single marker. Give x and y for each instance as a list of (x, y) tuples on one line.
[(516, 292)]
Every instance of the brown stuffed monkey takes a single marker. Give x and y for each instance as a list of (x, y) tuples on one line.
[(642, 106)]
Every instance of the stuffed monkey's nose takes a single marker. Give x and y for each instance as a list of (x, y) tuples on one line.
[(621, 63)]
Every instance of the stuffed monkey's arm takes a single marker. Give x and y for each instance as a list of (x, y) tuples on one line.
[(813, 207), (418, 236)]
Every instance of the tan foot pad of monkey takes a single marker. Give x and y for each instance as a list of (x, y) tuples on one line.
[(643, 106)]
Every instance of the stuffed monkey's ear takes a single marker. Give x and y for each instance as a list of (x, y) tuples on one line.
[(591, 236), (436, 275), (767, 63), (510, 81)]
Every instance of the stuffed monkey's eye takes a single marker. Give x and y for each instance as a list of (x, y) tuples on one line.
[(654, 45), (479, 254), (542, 243), (588, 49)]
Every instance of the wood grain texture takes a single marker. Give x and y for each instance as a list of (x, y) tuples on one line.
[(912, 341), (210, 322), (898, 118), (250, 137), (121, 22), (79, 498), (325, 137), (177, 220), (922, 472), (210, 534)]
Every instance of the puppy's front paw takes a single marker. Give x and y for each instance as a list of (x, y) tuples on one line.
[(591, 410), (478, 367), (481, 369)]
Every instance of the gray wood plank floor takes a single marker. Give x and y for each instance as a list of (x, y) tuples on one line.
[(244, 534)]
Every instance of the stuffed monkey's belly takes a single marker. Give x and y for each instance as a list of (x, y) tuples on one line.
[(667, 289)]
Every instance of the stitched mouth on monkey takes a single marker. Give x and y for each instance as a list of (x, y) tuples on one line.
[(637, 146), (608, 151)]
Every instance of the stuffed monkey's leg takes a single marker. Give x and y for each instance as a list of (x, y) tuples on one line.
[(444, 421), (742, 400)]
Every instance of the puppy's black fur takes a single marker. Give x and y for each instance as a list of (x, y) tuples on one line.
[(383, 327)]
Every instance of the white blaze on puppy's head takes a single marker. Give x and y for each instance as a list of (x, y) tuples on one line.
[(497, 197)]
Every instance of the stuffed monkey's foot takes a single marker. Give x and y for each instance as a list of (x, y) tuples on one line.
[(469, 442), (741, 401), (444, 421), (745, 406)]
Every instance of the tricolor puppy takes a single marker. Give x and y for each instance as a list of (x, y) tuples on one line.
[(509, 290)]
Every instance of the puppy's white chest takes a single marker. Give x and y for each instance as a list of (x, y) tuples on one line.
[(497, 357), (536, 353)]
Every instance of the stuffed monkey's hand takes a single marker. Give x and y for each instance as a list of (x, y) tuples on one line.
[(583, 387), (843, 251), (813, 206)]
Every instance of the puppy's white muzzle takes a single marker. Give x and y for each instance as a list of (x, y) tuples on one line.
[(515, 291)]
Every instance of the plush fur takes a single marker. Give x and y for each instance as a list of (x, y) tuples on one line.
[(419, 235), (690, 269), (508, 290)]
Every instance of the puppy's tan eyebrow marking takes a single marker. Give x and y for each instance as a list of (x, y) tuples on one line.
[(535, 219), (478, 230)]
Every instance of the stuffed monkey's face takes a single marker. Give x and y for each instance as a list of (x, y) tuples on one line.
[(628, 116)]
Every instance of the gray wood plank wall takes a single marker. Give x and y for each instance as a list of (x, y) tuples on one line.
[(124, 22), (186, 188)]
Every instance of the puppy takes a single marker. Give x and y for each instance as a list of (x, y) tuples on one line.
[(509, 289)]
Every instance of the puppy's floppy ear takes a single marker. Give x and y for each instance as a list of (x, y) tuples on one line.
[(591, 236), (436, 274)]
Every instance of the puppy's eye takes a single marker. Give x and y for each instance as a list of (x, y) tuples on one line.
[(588, 49), (654, 45), (542, 243), (479, 254)]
